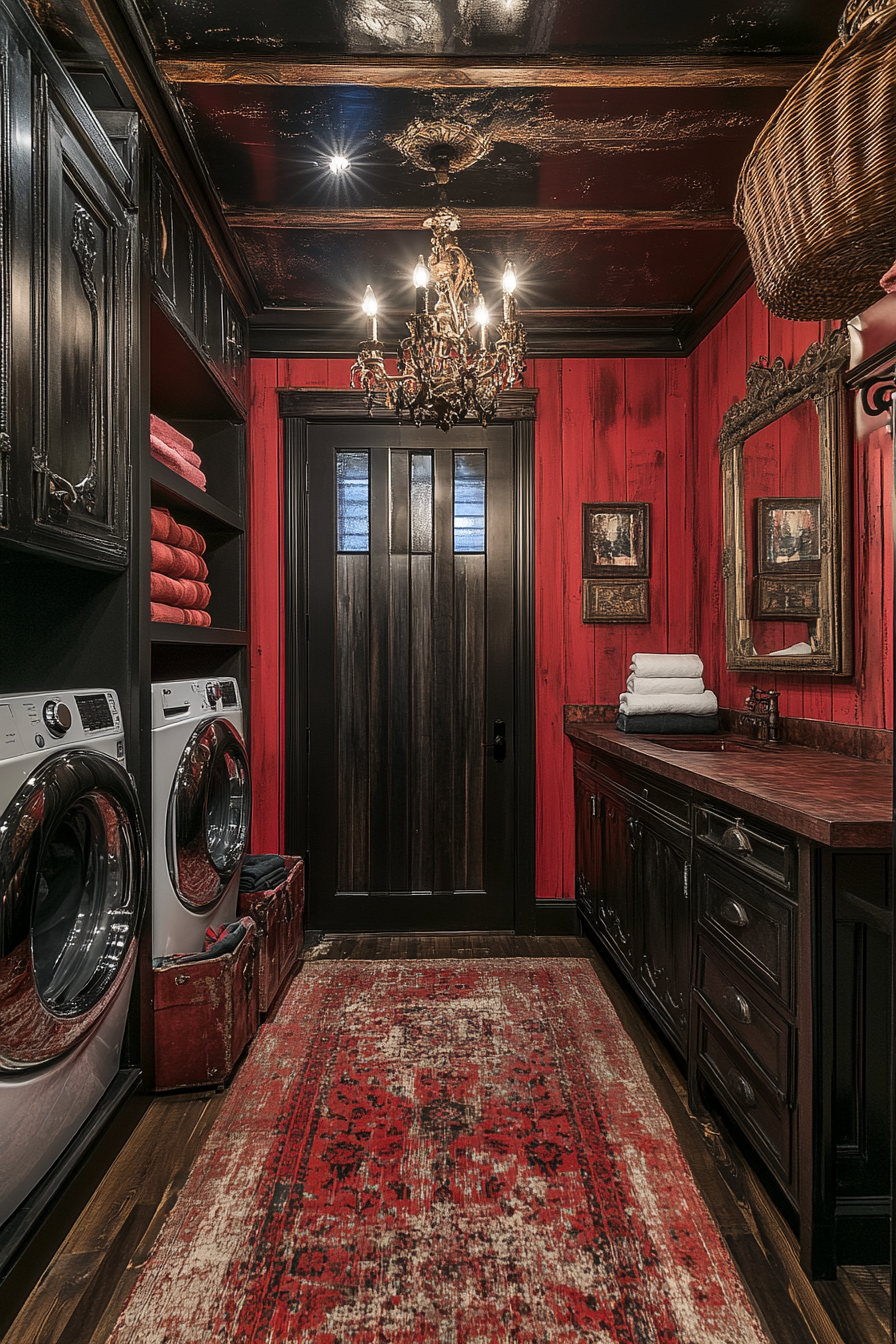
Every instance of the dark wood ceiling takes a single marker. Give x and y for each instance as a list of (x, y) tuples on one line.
[(618, 130)]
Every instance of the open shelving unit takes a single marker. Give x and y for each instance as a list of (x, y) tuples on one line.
[(183, 393)]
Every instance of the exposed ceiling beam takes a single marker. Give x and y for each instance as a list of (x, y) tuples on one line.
[(481, 220), (454, 73)]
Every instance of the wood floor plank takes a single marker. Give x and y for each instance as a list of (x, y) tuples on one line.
[(855, 1316), (172, 1130)]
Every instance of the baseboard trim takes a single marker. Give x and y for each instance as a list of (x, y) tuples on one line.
[(556, 919)]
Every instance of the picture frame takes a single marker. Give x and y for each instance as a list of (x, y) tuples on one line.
[(786, 597), (788, 535), (616, 601), (615, 540)]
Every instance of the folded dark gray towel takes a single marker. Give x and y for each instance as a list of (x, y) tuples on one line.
[(262, 872), (668, 723)]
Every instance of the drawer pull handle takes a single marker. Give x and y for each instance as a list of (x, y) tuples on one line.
[(733, 913), (736, 840), (741, 1090), (736, 1005)]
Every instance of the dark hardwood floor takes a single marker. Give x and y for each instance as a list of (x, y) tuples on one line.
[(74, 1295)]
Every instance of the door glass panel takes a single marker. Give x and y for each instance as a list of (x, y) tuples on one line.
[(421, 503), (82, 924), (352, 501), (469, 502), (227, 817)]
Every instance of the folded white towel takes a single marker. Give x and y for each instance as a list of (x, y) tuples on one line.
[(665, 685), (668, 704), (666, 665)]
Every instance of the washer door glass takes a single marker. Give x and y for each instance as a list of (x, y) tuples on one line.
[(72, 884), (209, 813)]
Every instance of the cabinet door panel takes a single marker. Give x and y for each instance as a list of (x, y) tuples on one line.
[(587, 847), (615, 897), (80, 346), (173, 253), (662, 875)]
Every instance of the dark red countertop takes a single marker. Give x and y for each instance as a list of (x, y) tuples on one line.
[(836, 800)]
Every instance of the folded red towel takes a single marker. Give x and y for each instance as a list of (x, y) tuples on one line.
[(177, 563), (164, 528), (178, 592), (158, 611), (168, 434), (170, 457)]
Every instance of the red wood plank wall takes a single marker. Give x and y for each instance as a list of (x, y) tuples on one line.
[(607, 429)]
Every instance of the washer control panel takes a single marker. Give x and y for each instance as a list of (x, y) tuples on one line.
[(41, 722)]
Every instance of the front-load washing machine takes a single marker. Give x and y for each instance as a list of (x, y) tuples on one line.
[(73, 875), (202, 802)]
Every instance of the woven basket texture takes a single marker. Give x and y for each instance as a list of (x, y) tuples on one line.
[(817, 195)]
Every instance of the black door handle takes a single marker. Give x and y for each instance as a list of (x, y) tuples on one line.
[(500, 742)]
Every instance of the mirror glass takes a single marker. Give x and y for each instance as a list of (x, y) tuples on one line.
[(787, 553), (782, 532)]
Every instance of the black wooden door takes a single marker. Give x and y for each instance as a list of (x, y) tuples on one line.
[(410, 652)]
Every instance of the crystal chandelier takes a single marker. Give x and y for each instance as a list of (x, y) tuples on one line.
[(448, 367)]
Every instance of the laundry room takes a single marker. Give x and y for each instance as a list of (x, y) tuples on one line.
[(447, 672)]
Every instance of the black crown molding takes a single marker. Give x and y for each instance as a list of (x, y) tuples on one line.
[(336, 403)]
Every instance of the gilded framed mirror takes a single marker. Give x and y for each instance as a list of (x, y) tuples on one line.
[(787, 555)]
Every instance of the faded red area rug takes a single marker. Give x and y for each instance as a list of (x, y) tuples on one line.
[(457, 1152)]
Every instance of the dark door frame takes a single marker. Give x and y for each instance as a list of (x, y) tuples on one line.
[(298, 408)]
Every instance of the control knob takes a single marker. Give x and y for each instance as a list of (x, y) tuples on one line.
[(57, 717)]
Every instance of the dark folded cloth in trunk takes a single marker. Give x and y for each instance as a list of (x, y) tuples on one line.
[(262, 872), (668, 723), (218, 943)]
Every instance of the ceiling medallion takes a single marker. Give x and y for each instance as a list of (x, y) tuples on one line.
[(448, 367)]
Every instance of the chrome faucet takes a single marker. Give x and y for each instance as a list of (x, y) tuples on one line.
[(764, 707)]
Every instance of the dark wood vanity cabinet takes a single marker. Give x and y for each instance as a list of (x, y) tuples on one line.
[(762, 957), (67, 236)]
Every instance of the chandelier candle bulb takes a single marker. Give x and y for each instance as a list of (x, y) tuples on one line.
[(421, 284), (508, 283), (370, 307)]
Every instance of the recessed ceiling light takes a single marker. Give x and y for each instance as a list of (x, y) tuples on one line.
[(339, 164)]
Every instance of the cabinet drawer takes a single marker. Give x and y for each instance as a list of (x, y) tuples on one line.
[(748, 845), (755, 927), (675, 807), (746, 1096), (762, 1033)]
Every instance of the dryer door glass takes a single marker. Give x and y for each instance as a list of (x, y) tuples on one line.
[(72, 886), (208, 819)]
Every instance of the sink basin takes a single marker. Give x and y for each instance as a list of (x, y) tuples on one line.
[(703, 744)]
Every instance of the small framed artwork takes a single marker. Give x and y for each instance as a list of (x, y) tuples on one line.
[(614, 540), (785, 597), (616, 601), (788, 535)]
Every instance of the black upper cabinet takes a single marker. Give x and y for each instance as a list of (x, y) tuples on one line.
[(68, 230), (189, 289)]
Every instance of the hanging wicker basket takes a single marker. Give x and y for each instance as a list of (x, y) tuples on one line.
[(817, 195)]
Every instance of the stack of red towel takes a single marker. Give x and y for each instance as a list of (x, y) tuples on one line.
[(178, 593), (175, 450)]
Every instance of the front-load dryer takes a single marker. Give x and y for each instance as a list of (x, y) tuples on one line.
[(73, 874), (202, 802)]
